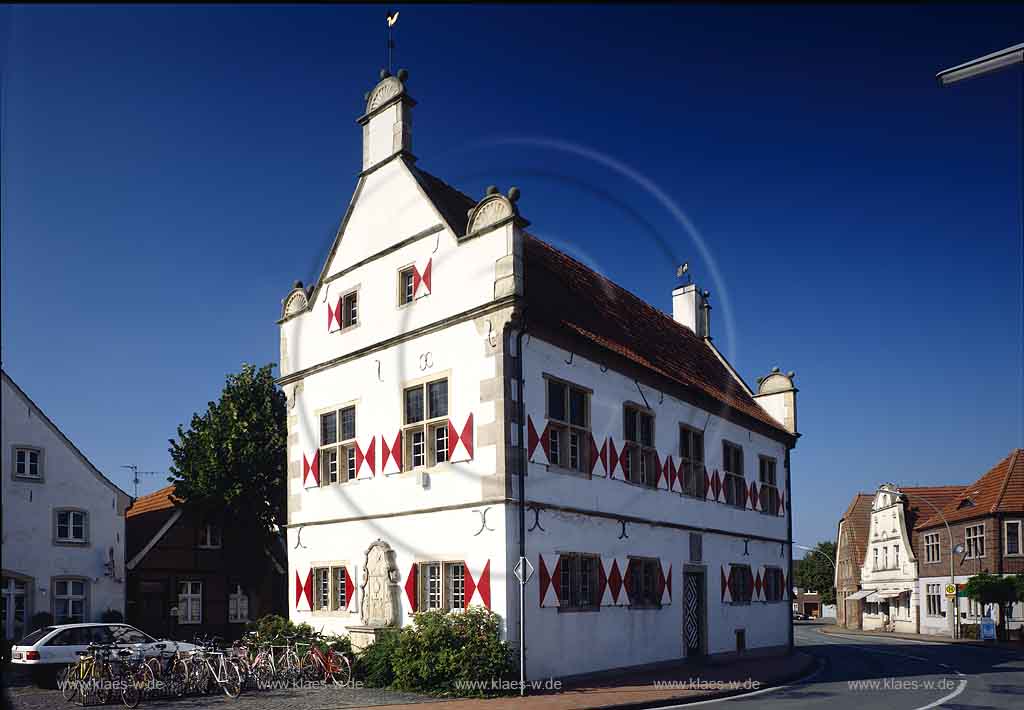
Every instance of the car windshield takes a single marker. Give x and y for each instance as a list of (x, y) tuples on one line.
[(33, 637)]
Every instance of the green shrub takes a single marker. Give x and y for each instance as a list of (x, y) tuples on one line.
[(112, 616), (271, 627), (375, 665), (444, 651)]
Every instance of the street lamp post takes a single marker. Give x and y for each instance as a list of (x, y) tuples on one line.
[(982, 65)]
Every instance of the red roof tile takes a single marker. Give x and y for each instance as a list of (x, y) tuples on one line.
[(1001, 490), (565, 296), (857, 519), (922, 501), (158, 500)]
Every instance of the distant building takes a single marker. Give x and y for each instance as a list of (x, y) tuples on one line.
[(63, 523), (851, 544), (807, 602), (204, 570), (442, 353), (987, 518)]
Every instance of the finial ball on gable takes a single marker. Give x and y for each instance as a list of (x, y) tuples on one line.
[(403, 75), (492, 190), (384, 74), (513, 193)]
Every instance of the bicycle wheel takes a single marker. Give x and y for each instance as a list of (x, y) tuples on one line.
[(102, 683), (138, 684), (312, 668), (67, 680), (232, 684), (291, 667), (263, 672), (339, 668), (177, 678)]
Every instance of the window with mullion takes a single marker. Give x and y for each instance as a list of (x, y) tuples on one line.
[(733, 480), (425, 433), (769, 489), (691, 461), (931, 548), (638, 427), (644, 582), (568, 426), (337, 446), (578, 582), (975, 538)]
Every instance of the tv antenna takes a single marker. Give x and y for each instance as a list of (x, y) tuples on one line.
[(136, 473)]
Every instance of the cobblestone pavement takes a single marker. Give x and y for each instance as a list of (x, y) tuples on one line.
[(20, 694)]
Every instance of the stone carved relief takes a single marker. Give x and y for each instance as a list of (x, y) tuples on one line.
[(379, 599), (490, 211), (384, 92)]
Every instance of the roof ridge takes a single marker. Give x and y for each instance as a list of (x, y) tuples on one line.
[(1006, 481), (444, 182)]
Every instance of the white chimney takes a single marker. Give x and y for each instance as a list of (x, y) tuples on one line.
[(387, 123), (691, 308)]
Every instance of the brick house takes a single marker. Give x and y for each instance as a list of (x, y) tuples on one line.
[(987, 519), (851, 545), (205, 569)]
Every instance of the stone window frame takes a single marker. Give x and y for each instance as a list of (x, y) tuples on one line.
[(691, 432), (1020, 537), (334, 606), (636, 450), (86, 595), (345, 448), (734, 475), (70, 541), (445, 567), (40, 465), (560, 430), (406, 294), (428, 425), (933, 601), (766, 489), (343, 297)]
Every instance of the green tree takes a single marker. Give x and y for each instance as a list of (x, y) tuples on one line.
[(231, 463), (993, 589), (816, 573)]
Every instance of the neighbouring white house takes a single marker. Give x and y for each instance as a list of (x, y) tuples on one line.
[(63, 523), (444, 352)]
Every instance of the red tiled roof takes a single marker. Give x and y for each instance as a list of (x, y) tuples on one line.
[(610, 317), (858, 522), (1001, 490), (158, 500), (919, 497)]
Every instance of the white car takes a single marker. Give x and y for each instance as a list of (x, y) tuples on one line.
[(50, 648)]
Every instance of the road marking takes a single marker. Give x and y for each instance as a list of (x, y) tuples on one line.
[(940, 701)]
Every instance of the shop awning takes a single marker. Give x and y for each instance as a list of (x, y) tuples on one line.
[(863, 593), (890, 593)]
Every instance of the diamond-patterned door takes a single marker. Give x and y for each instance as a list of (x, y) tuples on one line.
[(693, 612)]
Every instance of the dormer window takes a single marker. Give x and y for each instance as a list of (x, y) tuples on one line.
[(209, 537), (965, 503)]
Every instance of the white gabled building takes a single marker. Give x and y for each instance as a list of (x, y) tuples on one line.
[(440, 352), (63, 523)]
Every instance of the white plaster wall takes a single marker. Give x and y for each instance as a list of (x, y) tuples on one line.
[(28, 518), (565, 643), (610, 390), (440, 536)]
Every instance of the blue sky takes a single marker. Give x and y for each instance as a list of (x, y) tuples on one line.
[(168, 172)]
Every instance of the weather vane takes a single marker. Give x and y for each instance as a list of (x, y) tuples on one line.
[(392, 18)]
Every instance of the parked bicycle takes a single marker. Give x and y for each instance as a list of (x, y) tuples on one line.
[(330, 666)]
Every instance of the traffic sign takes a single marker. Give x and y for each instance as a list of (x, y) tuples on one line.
[(523, 567), (950, 590)]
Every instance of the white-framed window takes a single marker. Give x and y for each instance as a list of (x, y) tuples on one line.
[(406, 286), (338, 445), (733, 481), (209, 536), (238, 605), (885, 557), (1012, 533), (975, 538), (70, 597), (874, 565), (769, 491), (71, 526), (932, 551), (568, 410), (425, 414), (691, 461), (322, 589), (28, 462), (578, 581), (190, 602), (934, 600), (442, 585), (340, 592), (896, 556), (638, 427)]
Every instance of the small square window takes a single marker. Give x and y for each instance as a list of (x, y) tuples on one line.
[(406, 286), (27, 463), (349, 310)]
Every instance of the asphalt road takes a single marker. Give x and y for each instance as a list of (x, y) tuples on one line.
[(877, 673)]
